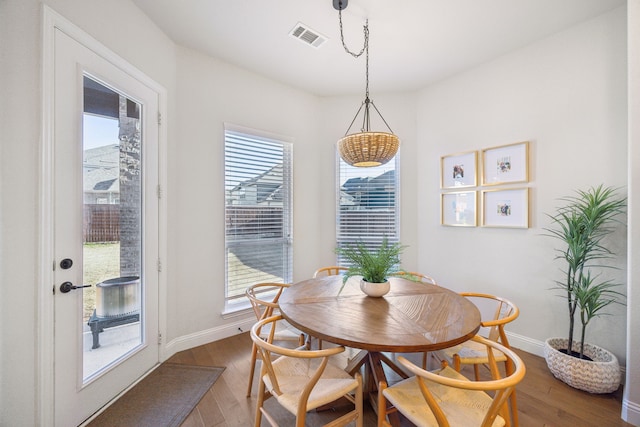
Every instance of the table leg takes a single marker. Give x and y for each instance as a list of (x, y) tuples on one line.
[(360, 360), (377, 373), (390, 363), (373, 374), (356, 363)]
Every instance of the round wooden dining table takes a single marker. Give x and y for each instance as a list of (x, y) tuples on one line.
[(412, 317)]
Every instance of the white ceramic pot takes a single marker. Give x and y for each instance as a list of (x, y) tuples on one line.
[(601, 374), (374, 289)]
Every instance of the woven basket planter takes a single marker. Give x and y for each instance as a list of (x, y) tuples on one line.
[(601, 374)]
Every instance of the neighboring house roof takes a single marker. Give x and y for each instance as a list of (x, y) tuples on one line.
[(101, 169), (369, 192), (106, 185), (380, 182), (268, 185)]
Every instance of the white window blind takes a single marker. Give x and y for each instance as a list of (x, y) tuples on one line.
[(258, 210), (368, 204)]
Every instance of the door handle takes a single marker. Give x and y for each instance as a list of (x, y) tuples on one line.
[(68, 286)]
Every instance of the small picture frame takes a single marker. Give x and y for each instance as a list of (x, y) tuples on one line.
[(459, 170), (505, 208), (458, 209), (506, 164)]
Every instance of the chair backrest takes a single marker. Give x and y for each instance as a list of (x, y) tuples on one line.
[(267, 349), (495, 312), (333, 270), (418, 277), (500, 387), (264, 298)]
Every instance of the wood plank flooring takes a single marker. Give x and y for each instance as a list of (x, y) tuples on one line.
[(543, 401)]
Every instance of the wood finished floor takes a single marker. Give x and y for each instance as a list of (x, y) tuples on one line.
[(543, 401)]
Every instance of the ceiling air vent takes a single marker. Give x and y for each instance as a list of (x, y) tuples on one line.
[(307, 35)]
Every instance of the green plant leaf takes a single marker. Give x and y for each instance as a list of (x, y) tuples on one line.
[(581, 225), (374, 265)]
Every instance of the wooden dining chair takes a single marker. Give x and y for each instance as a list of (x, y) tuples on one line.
[(495, 313), (332, 270), (422, 278), (264, 301), (302, 380), (447, 398), (417, 277)]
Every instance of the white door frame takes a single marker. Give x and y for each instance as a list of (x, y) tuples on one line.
[(45, 308)]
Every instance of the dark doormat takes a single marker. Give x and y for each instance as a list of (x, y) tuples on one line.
[(163, 399)]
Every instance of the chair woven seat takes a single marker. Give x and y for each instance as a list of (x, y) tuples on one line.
[(496, 313), (448, 398), (293, 375), (302, 380), (471, 352), (407, 394)]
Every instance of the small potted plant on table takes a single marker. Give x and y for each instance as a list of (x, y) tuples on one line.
[(582, 224), (374, 265)]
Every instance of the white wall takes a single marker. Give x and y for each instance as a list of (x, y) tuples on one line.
[(210, 93), (631, 398), (567, 96), (151, 51), (19, 118)]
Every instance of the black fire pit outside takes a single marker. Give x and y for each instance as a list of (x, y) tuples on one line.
[(117, 303)]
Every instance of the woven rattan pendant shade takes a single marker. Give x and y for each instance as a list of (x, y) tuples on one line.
[(368, 149)]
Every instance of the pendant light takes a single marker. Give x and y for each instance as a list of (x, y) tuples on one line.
[(366, 148)]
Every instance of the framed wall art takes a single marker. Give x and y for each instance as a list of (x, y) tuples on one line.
[(459, 170), (458, 209), (505, 164), (505, 208)]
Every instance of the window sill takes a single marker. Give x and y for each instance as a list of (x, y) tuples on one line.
[(236, 310)]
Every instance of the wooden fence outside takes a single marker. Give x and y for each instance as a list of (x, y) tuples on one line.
[(101, 223)]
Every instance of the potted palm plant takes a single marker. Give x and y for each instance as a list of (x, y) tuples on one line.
[(582, 225), (374, 265)]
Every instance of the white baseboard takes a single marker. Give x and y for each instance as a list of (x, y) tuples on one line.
[(526, 344), (186, 342), (631, 412)]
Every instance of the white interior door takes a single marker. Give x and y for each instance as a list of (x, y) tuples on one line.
[(105, 231)]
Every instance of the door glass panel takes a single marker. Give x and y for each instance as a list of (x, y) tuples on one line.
[(112, 228)]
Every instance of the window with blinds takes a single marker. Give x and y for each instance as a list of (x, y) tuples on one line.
[(368, 206), (258, 210)]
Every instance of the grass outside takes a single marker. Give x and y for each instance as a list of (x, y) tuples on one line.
[(101, 262), (246, 275)]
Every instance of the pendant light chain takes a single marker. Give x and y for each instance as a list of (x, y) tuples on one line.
[(366, 37), (365, 48), (366, 42), (366, 148)]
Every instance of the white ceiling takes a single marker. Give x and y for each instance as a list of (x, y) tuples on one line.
[(412, 42)]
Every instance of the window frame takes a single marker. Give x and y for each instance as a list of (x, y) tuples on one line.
[(240, 302), (370, 241)]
